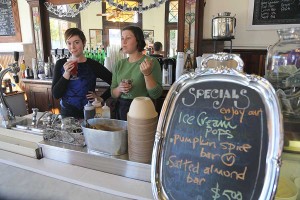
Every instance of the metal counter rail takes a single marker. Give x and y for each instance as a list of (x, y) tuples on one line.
[(77, 155)]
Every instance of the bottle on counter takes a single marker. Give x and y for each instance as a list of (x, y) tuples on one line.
[(23, 68), (34, 68), (51, 67), (28, 72), (46, 68), (89, 111), (98, 108), (105, 111)]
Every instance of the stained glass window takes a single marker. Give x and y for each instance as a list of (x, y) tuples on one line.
[(173, 11)]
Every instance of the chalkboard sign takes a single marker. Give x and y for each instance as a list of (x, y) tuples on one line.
[(214, 137), (9, 21), (268, 12), (7, 24)]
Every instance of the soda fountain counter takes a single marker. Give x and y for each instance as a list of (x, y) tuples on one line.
[(25, 174), (61, 172)]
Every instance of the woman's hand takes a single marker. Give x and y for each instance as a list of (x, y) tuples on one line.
[(92, 95), (68, 66), (124, 87), (146, 67)]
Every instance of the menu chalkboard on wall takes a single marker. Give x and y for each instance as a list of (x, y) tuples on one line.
[(9, 21), (216, 135), (268, 12), (7, 24)]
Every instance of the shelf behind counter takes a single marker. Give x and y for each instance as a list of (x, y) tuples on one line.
[(39, 95)]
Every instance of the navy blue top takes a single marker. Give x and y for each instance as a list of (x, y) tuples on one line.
[(73, 92)]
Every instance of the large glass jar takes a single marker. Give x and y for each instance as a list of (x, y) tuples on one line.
[(283, 70)]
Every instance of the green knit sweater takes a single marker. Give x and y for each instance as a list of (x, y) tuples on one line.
[(126, 70)]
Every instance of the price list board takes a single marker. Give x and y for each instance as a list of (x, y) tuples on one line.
[(7, 25), (216, 135), (268, 12), (10, 30)]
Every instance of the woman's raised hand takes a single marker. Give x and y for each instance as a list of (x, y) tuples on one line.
[(146, 67), (68, 66)]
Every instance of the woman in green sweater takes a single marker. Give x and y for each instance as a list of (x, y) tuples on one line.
[(143, 72)]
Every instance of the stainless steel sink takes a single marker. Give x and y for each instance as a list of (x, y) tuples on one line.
[(26, 125)]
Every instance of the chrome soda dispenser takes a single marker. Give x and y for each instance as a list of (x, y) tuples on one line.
[(168, 71)]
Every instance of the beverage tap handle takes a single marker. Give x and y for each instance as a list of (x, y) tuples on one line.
[(16, 78), (16, 56)]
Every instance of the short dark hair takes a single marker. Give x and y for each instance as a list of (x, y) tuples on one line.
[(75, 31), (157, 46), (139, 35)]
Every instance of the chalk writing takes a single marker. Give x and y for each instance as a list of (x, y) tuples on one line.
[(215, 137), (186, 165), (221, 95), (229, 194), (232, 112), (193, 140), (276, 12), (212, 169), (7, 25)]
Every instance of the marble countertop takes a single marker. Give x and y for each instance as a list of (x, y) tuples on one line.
[(25, 177)]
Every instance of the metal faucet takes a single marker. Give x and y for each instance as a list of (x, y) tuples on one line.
[(6, 112), (49, 120), (39, 119), (34, 115), (59, 116), (35, 121)]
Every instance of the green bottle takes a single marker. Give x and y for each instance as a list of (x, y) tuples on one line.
[(103, 56), (92, 54), (86, 52), (98, 55)]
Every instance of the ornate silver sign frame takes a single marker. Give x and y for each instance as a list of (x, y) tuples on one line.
[(224, 74)]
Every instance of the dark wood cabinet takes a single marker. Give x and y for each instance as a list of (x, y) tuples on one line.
[(39, 95), (254, 60)]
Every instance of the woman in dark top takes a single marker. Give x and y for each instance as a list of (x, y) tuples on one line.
[(75, 93)]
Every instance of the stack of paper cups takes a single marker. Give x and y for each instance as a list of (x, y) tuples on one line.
[(142, 123), (179, 64)]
